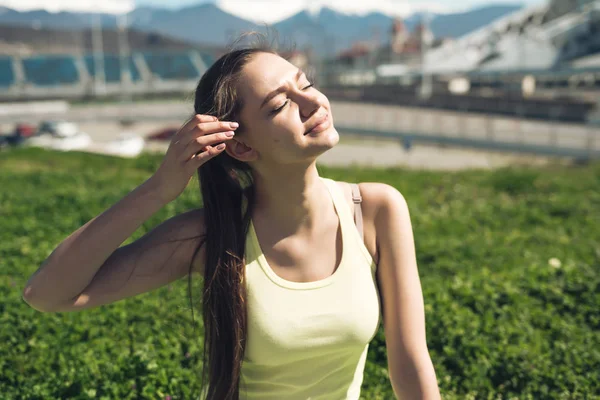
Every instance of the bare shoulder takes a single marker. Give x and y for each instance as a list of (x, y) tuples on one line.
[(376, 197), (388, 208), (381, 196)]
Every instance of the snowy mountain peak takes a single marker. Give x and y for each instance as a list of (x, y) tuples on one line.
[(314, 9)]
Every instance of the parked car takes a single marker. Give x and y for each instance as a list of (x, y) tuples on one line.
[(58, 128), (25, 130), (20, 134)]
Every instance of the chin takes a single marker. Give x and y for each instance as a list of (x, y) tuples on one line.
[(325, 141), (333, 136)]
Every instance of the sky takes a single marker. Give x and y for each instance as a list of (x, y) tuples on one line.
[(267, 10)]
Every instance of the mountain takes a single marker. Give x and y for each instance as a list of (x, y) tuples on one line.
[(204, 23), (327, 31), (333, 31)]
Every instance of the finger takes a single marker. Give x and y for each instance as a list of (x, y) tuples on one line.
[(200, 143), (208, 128), (191, 123), (198, 119), (198, 159)]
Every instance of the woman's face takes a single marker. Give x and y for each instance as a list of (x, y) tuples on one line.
[(279, 107)]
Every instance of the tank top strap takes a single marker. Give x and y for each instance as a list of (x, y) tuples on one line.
[(341, 206), (346, 215)]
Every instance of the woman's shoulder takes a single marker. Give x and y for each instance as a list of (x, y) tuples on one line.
[(375, 195)]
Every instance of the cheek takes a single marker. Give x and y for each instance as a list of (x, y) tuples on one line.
[(282, 131), (285, 128), (268, 135)]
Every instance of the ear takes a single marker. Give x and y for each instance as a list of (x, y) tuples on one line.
[(240, 151)]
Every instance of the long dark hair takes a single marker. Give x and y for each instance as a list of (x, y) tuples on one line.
[(228, 196)]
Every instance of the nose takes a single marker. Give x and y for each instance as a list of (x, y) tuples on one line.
[(308, 103)]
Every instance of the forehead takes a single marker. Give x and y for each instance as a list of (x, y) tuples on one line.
[(263, 73)]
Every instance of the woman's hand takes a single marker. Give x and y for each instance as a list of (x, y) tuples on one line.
[(191, 146)]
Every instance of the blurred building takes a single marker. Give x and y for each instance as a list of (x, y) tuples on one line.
[(402, 46), (25, 41), (558, 34), (357, 56), (63, 75), (553, 35), (52, 63)]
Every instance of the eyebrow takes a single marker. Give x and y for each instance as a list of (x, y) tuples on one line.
[(279, 90)]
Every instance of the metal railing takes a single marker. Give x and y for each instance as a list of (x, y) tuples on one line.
[(418, 125), (407, 124)]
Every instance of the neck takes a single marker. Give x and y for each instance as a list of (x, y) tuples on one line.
[(292, 199)]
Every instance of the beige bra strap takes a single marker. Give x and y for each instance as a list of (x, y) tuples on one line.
[(357, 199)]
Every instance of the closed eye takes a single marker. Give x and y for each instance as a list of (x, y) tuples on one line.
[(275, 111)]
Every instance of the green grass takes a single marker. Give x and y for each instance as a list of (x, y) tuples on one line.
[(502, 321)]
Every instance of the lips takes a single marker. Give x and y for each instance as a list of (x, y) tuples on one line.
[(317, 123)]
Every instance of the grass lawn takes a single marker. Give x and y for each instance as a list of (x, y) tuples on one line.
[(509, 263)]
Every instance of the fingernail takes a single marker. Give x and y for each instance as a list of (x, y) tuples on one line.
[(221, 146), (234, 124), (229, 134)]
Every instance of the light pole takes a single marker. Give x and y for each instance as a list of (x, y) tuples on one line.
[(426, 88), (98, 51), (125, 73)]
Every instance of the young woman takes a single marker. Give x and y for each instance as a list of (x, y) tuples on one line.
[(298, 272)]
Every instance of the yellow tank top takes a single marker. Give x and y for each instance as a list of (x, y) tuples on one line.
[(309, 340)]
